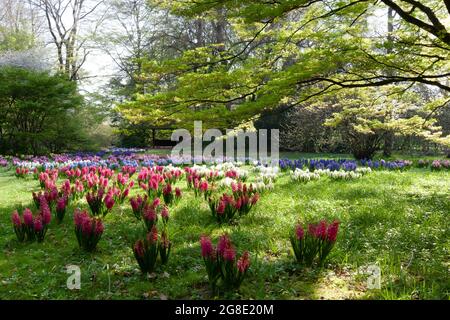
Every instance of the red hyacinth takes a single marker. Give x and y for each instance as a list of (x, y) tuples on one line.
[(244, 262), (178, 192)]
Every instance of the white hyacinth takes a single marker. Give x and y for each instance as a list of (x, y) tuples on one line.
[(304, 175)]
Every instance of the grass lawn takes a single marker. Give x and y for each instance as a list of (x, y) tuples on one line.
[(399, 221)]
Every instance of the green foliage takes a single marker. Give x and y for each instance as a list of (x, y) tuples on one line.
[(286, 53), (39, 113)]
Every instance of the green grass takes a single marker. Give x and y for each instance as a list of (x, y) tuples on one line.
[(397, 220)]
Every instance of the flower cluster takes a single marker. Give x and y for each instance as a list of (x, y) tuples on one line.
[(171, 195), (437, 165), (151, 213), (304, 175), (122, 187), (22, 172), (225, 270), (61, 206), (147, 250), (344, 175), (100, 202), (138, 204), (240, 202), (88, 230), (202, 187), (29, 227), (314, 243)]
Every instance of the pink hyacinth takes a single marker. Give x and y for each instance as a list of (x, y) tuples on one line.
[(38, 224), (243, 263), (165, 213), (312, 230), (109, 202), (61, 204), (178, 192), (156, 202), (79, 217), (299, 232), (224, 243), (98, 227), (28, 217), (207, 247), (16, 219), (167, 189), (204, 186), (86, 226), (150, 214), (332, 231), (229, 254)]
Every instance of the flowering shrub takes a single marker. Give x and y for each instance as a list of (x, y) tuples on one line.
[(222, 266), (99, 202), (88, 230), (32, 228), (146, 250), (315, 242)]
